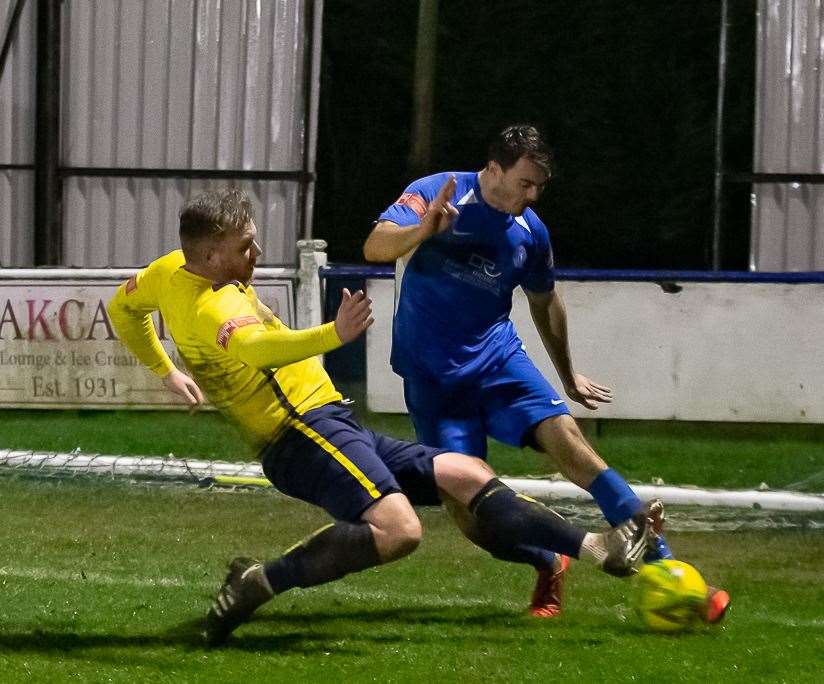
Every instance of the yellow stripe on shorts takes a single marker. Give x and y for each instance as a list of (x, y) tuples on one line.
[(338, 455)]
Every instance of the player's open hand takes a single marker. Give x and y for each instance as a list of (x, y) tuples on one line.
[(354, 315), (181, 384), (441, 213), (588, 393)]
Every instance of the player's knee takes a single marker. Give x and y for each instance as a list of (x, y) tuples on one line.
[(396, 526), (405, 536), (561, 437), (461, 476), (564, 427)]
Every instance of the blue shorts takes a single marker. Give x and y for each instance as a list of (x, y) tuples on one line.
[(328, 459), (505, 404)]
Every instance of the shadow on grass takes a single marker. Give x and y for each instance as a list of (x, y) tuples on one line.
[(303, 633)]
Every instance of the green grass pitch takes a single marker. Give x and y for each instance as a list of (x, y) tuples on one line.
[(106, 581)]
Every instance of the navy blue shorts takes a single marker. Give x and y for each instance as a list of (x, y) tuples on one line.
[(328, 459), (506, 404)]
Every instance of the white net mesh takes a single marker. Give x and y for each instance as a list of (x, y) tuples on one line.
[(151, 467), (170, 468)]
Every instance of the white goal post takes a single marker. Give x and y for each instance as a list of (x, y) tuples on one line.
[(198, 471)]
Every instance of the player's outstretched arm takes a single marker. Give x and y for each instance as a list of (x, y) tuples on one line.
[(549, 315), (130, 313), (263, 347), (389, 241), (131, 318)]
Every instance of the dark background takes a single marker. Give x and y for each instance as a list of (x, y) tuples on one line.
[(626, 92)]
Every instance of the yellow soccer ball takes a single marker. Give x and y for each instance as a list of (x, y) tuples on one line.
[(670, 596)]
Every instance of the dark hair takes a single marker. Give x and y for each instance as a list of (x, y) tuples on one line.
[(520, 140), (213, 213)]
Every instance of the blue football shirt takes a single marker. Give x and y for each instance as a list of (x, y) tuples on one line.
[(452, 320)]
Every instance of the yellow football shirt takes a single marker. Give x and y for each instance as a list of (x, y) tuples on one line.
[(252, 367)]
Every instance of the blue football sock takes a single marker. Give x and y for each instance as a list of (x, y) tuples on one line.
[(614, 497), (618, 503), (660, 551)]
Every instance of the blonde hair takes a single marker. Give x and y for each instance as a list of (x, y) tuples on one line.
[(210, 215)]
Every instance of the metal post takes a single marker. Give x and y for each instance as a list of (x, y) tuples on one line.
[(48, 235), (8, 34), (718, 190), (424, 94), (312, 254), (314, 24)]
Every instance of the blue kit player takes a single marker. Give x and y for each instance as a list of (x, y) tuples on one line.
[(465, 241)]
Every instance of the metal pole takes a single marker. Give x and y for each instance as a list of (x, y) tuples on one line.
[(48, 235), (718, 190), (424, 95), (314, 22), (11, 28)]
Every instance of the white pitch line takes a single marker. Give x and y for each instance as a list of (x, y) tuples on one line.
[(90, 577), (428, 600), (624, 612), (358, 595), (787, 620)]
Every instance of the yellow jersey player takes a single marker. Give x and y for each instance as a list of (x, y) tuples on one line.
[(268, 380)]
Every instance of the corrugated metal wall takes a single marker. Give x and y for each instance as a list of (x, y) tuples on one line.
[(174, 84), (788, 219), (17, 97)]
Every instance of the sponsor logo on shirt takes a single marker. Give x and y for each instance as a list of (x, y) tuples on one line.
[(485, 265), (414, 201), (230, 326), (473, 276)]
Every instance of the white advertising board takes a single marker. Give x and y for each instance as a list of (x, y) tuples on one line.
[(58, 348), (710, 351)]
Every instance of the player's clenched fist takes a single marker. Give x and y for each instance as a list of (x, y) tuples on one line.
[(354, 315)]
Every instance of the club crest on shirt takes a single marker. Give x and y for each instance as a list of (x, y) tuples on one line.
[(519, 258)]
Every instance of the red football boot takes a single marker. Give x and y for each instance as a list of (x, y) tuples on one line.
[(718, 601), (546, 598)]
